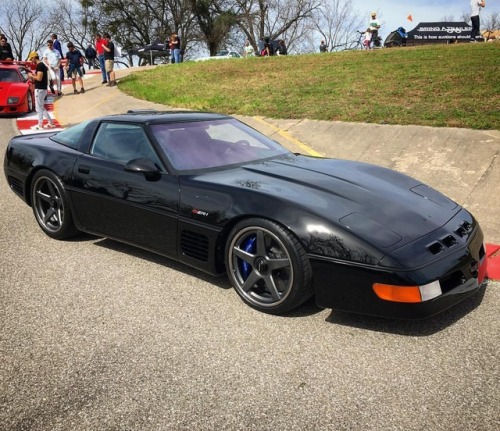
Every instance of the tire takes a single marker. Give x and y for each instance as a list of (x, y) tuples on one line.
[(30, 103), (51, 207), (267, 266)]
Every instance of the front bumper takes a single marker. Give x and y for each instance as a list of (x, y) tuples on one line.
[(349, 287)]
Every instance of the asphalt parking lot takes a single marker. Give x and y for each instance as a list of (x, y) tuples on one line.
[(96, 335)]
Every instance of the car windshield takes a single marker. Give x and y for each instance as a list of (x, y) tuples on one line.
[(9, 75), (209, 144)]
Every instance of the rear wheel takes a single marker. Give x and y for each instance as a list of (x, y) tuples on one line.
[(267, 266), (51, 206)]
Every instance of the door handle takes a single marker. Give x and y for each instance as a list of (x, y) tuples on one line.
[(84, 169)]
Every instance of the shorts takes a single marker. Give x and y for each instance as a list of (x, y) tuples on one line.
[(75, 70), (109, 65)]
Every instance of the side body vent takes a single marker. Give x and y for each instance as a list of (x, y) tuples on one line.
[(194, 245)]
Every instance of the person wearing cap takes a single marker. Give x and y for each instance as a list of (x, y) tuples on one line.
[(41, 80), (31, 55), (74, 67), (374, 27), (323, 47)]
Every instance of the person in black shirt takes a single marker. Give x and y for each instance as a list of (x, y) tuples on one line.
[(41, 80), (109, 59), (5, 49), (90, 55), (282, 49)]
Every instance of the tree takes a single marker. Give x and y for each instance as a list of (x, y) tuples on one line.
[(491, 22), (336, 22), (215, 20), (276, 19), (71, 23), (135, 23), (26, 25)]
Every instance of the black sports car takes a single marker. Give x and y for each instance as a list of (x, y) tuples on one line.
[(213, 193)]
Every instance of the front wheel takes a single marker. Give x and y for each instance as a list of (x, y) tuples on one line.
[(51, 206), (30, 102), (267, 266)]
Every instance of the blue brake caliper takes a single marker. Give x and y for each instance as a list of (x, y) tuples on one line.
[(249, 246)]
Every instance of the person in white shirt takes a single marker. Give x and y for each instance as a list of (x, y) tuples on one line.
[(374, 26), (53, 61), (475, 6)]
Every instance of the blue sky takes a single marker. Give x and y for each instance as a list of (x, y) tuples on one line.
[(393, 13)]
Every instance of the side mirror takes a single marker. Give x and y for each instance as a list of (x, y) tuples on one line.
[(144, 166)]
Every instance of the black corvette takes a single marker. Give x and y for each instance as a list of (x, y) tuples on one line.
[(211, 192)]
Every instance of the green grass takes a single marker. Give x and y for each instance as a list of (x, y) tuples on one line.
[(446, 85)]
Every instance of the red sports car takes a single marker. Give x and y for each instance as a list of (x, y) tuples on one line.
[(16, 89)]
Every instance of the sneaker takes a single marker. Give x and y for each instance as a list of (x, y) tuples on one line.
[(82, 91), (112, 84), (36, 127), (75, 91), (59, 93), (50, 126), (104, 82)]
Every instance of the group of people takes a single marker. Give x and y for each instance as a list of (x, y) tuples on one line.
[(371, 34), (49, 71), (105, 51), (268, 47)]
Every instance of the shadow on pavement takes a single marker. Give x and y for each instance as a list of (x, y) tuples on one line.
[(412, 328)]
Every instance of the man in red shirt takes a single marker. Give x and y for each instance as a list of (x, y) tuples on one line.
[(100, 42)]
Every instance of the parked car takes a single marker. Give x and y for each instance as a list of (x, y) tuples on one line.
[(209, 191), (221, 55), (17, 91)]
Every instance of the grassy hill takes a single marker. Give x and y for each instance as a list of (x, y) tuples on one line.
[(455, 85)]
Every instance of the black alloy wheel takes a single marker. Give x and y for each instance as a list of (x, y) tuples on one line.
[(267, 266), (51, 206)]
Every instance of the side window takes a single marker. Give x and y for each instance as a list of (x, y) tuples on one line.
[(122, 143), (24, 74)]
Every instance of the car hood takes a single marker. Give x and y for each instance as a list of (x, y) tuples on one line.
[(373, 202)]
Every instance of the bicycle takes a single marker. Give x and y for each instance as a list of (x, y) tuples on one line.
[(355, 44)]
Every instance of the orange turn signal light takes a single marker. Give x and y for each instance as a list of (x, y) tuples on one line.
[(409, 294), (389, 292)]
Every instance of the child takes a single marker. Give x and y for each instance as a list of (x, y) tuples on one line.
[(368, 38)]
